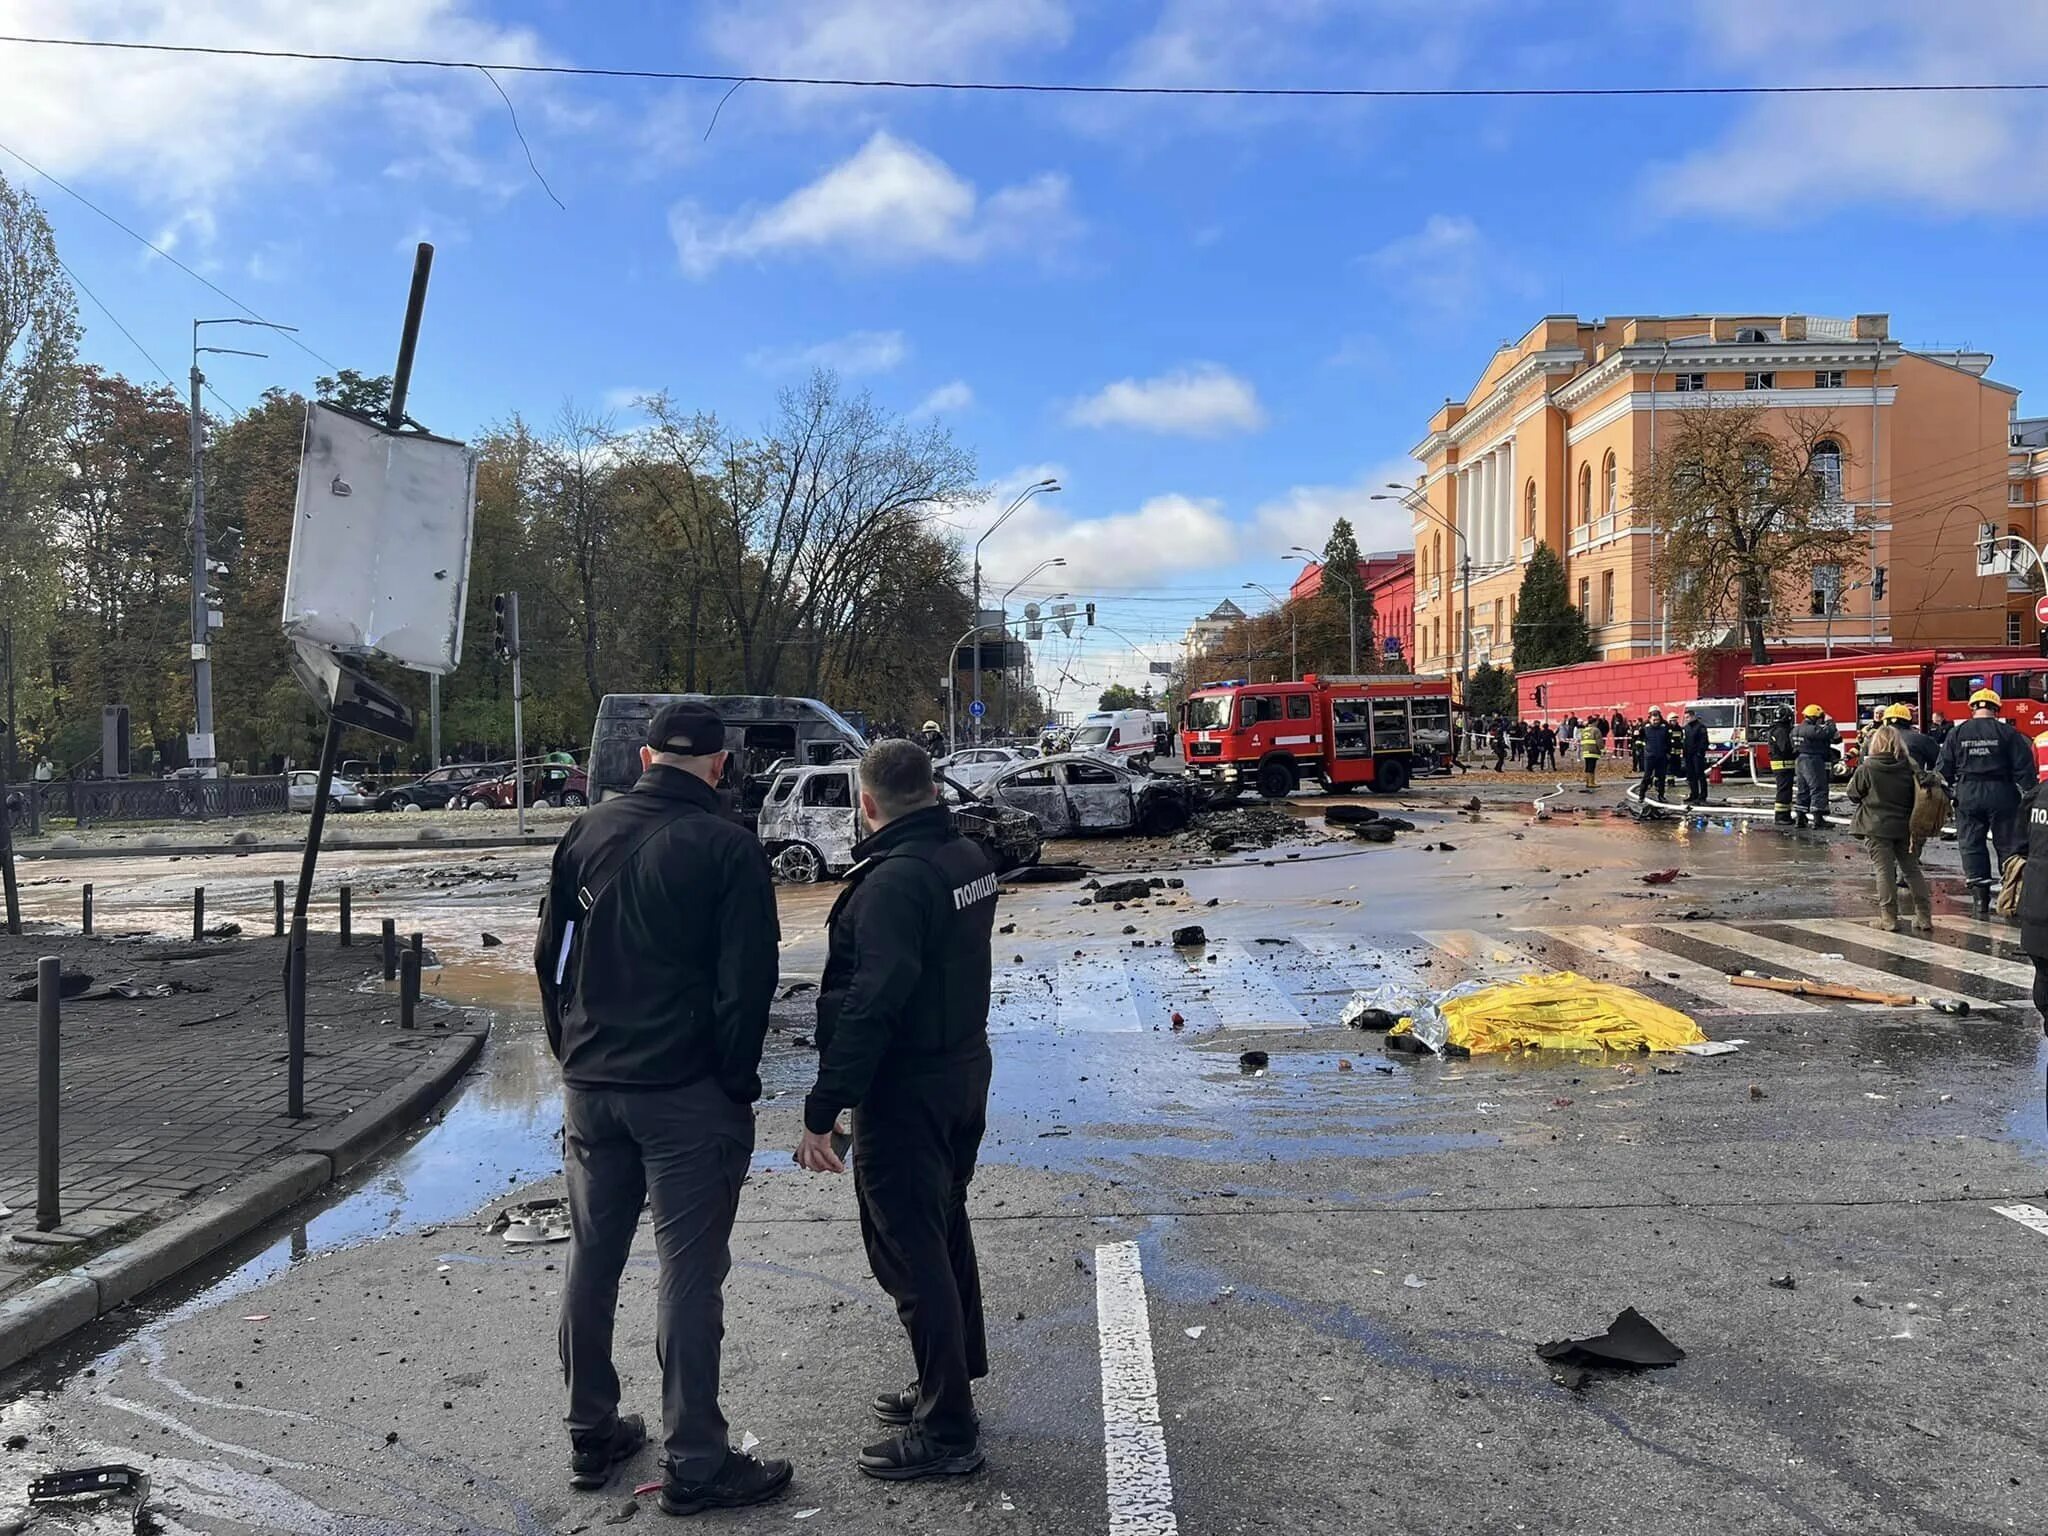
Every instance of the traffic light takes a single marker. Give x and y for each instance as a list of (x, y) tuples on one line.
[(1091, 613), (1877, 584), (498, 645)]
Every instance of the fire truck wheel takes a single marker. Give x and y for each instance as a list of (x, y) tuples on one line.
[(1277, 780), (1390, 775)]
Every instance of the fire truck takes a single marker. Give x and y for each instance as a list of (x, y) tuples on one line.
[(1855, 689), (1340, 732)]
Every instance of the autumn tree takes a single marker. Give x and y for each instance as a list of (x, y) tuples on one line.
[(1743, 504)]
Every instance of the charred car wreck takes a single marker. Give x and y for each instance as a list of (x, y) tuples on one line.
[(1079, 792), (810, 821)]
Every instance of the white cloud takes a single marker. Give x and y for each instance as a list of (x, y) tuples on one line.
[(957, 395), (1163, 536), (891, 202), (183, 129), (1204, 400), (626, 397), (1791, 156), (1305, 514), (856, 352), (1439, 265), (864, 39)]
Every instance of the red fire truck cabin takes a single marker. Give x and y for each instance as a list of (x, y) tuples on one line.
[(1342, 733)]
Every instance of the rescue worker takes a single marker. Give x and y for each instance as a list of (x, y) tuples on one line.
[(903, 1040), (1991, 766), (1693, 748), (933, 738), (1590, 736), (1780, 741), (1813, 746), (657, 958), (1922, 750), (1653, 751)]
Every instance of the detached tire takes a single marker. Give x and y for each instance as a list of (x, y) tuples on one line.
[(1277, 780), (1390, 775)]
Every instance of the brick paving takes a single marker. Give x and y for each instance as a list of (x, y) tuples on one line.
[(165, 1099)]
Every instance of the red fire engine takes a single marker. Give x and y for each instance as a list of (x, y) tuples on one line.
[(1855, 689), (1339, 732)]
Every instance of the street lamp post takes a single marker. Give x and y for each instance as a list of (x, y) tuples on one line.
[(1029, 491), (1418, 506), (1293, 628), (1350, 592)]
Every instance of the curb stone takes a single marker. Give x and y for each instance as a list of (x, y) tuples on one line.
[(33, 1319)]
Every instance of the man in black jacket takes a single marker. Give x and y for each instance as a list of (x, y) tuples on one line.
[(657, 960), (1693, 748), (903, 1039), (1653, 746), (1813, 747), (1993, 769), (1783, 765)]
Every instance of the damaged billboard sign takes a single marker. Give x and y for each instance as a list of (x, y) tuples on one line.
[(380, 547)]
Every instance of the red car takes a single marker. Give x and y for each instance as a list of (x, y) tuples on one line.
[(552, 784)]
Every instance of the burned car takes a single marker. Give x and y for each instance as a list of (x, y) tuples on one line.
[(810, 821), (1078, 792)]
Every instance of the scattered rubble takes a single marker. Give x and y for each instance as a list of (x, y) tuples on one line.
[(1631, 1343), (1123, 890), (1191, 937)]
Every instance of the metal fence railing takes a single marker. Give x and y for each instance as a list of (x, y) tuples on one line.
[(85, 801)]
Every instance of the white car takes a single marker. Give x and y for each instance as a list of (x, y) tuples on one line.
[(976, 765), (342, 794)]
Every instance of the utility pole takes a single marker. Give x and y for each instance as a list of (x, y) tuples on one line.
[(518, 708), (1023, 496), (433, 720), (1465, 661)]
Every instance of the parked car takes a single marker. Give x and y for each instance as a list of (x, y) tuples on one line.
[(1079, 792), (546, 784), (975, 765), (342, 794), (811, 820), (436, 790)]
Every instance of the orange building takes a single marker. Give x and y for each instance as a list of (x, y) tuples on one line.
[(1544, 448)]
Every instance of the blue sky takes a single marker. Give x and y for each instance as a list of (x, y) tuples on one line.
[(1221, 324)]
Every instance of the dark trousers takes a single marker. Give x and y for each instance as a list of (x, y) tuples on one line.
[(2041, 988), (1696, 781), (1811, 788), (915, 1139), (1986, 808), (685, 1151), (1783, 796), (1656, 770)]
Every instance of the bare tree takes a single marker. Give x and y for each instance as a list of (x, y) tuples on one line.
[(1744, 505)]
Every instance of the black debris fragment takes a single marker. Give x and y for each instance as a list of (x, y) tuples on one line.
[(1253, 1061), (1784, 1283), (492, 941), (1350, 815), (1190, 937), (69, 984), (1123, 890), (811, 986), (1631, 1343)]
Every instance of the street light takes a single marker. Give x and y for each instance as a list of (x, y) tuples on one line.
[(1042, 565), (1029, 491), (1350, 592), (1417, 505), (1293, 627)]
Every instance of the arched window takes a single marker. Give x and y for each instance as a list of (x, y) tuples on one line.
[(1610, 474), (1436, 555), (1529, 510), (1585, 493), (1827, 468)]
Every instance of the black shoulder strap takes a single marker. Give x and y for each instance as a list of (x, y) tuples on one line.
[(613, 864)]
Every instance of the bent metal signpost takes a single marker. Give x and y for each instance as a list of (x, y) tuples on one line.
[(379, 570)]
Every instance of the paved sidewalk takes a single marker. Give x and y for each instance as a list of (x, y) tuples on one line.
[(168, 1099)]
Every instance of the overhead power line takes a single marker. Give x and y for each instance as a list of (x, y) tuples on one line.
[(1047, 87)]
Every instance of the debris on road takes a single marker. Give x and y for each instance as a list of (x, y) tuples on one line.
[(533, 1221), (1191, 937), (1350, 815), (804, 986), (492, 941), (1253, 1061), (1660, 876), (1374, 832), (1414, 1282), (1713, 1047), (1242, 826), (1784, 1283), (1631, 1343), (1559, 1011), (1367, 1011), (1122, 890), (1047, 874), (79, 1487), (69, 984), (1197, 1331), (1800, 988)]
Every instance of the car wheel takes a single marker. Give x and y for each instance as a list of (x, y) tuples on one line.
[(575, 799), (1277, 780), (334, 805), (1162, 817), (1390, 775), (406, 803), (799, 864), (478, 803)]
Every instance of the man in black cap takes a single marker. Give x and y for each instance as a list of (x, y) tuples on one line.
[(903, 1038), (657, 960)]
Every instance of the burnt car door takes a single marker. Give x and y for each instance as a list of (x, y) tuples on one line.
[(1100, 796), (1034, 787)]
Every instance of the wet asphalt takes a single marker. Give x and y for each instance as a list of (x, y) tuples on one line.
[(1348, 1259)]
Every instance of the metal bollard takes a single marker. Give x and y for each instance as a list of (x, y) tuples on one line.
[(419, 947), (295, 1021), (85, 919), (347, 899), (198, 911), (49, 973), (408, 990), (277, 907), (390, 949)]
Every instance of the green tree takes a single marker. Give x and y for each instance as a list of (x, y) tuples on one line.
[(1549, 631), (353, 391), (1340, 588), (1490, 691), (1120, 696)]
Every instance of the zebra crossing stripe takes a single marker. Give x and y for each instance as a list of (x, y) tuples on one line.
[(1244, 995), (1094, 995), (1138, 1478), (2030, 1216), (1687, 975), (1498, 956), (1946, 955), (1813, 964)]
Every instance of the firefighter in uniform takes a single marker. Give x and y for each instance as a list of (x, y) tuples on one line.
[(1589, 749), (1782, 766), (903, 1039), (1992, 768), (1922, 750), (1813, 746)]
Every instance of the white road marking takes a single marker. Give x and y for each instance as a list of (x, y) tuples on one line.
[(1244, 994), (1095, 995), (1808, 964), (1485, 954), (1967, 960), (1133, 1438), (1677, 971), (2026, 1215)]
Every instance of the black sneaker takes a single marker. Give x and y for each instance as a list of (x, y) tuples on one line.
[(910, 1455), (591, 1464), (896, 1407), (743, 1480)]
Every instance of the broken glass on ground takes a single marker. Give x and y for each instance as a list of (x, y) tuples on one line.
[(533, 1221)]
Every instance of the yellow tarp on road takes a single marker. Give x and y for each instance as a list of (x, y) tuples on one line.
[(1558, 1012)]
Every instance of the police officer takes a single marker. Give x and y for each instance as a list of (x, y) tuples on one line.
[(1991, 766), (1693, 746), (1782, 766), (1653, 752), (657, 958), (1921, 749), (903, 1038), (1813, 746)]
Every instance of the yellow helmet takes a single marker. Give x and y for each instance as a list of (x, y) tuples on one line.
[(1984, 697), (1813, 712), (1898, 712)]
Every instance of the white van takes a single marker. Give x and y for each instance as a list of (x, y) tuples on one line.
[(1125, 734)]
